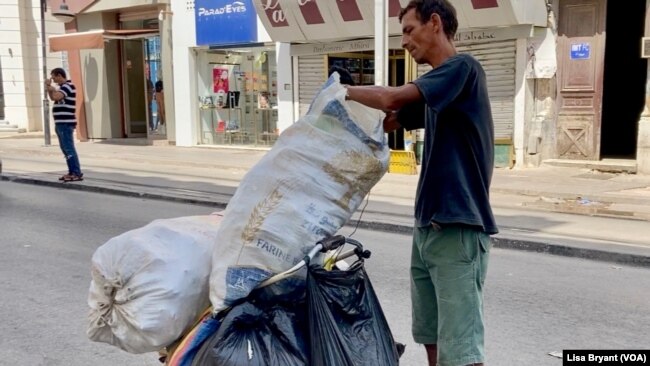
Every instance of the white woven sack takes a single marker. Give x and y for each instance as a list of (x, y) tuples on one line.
[(304, 189), (150, 284)]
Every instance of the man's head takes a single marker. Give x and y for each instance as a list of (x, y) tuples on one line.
[(426, 25), (58, 75)]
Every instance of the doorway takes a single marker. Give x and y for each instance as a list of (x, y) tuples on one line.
[(135, 88), (624, 79)]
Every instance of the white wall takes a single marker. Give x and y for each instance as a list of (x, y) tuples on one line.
[(520, 102), (21, 59), (184, 72), (285, 86)]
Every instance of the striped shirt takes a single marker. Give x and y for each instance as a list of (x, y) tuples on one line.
[(63, 110)]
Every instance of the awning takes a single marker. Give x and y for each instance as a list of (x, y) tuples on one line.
[(299, 20), (95, 39)]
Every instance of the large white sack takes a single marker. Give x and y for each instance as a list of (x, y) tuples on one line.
[(150, 284), (304, 189)]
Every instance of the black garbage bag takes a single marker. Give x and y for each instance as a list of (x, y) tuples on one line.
[(346, 324), (268, 328)]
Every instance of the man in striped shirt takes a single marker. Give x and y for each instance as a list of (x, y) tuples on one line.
[(64, 120)]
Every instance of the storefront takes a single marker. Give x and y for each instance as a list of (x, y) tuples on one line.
[(495, 32), (116, 52), (314, 60), (237, 77)]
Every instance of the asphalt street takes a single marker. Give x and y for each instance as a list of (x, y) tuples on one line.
[(535, 303)]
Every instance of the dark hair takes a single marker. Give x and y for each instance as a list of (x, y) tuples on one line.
[(345, 77), (159, 86), (59, 72), (425, 8)]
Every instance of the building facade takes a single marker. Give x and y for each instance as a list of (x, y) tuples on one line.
[(227, 76), (323, 34), (118, 51), (21, 64), (240, 72), (556, 69), (591, 105)]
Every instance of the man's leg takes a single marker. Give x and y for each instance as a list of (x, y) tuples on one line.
[(432, 354), (59, 135), (66, 140), (423, 299), (457, 259)]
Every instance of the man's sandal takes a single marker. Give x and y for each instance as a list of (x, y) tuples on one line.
[(64, 177), (73, 178)]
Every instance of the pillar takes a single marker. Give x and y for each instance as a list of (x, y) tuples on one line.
[(643, 142)]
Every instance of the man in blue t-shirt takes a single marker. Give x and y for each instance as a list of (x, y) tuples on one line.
[(65, 120), (454, 219)]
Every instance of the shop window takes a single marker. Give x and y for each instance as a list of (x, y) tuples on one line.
[(238, 98)]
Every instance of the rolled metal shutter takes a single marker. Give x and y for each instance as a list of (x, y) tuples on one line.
[(312, 74), (498, 60)]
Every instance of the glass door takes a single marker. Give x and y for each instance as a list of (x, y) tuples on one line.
[(134, 88), (155, 90)]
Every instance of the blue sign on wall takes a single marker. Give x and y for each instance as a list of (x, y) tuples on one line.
[(580, 51), (223, 22)]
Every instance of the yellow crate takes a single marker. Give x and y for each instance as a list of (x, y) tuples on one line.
[(402, 162)]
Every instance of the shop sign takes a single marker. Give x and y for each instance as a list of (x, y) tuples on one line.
[(580, 51), (277, 16), (475, 36), (484, 4), (334, 47), (274, 12), (494, 34), (349, 10), (223, 22)]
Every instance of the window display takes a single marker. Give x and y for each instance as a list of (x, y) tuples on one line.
[(361, 66), (239, 98)]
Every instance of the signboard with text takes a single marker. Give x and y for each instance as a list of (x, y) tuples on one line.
[(223, 22), (580, 51)]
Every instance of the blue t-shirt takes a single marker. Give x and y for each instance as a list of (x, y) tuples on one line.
[(458, 156)]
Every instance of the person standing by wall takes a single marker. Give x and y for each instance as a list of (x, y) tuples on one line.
[(160, 103), (451, 242), (150, 99), (65, 120)]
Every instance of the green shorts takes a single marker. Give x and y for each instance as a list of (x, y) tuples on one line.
[(448, 268)]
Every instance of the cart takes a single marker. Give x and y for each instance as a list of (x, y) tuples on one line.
[(331, 318)]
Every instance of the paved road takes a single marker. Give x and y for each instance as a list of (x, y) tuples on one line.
[(535, 303)]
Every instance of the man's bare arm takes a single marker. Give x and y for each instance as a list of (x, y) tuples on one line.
[(386, 98), (54, 94)]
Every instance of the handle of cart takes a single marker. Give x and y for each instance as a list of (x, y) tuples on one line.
[(332, 243)]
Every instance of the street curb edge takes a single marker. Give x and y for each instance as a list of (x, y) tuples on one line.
[(497, 241)]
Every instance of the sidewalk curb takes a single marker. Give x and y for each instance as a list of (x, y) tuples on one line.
[(498, 241)]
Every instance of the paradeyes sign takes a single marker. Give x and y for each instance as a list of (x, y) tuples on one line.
[(223, 22)]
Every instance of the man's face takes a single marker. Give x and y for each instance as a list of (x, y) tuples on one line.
[(57, 78), (417, 37)]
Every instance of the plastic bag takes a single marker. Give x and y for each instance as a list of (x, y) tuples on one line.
[(303, 190), (149, 285), (269, 328), (346, 324)]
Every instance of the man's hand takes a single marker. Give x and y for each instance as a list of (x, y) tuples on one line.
[(48, 86), (390, 122)]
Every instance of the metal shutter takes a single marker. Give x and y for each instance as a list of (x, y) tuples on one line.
[(498, 60), (311, 77)]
